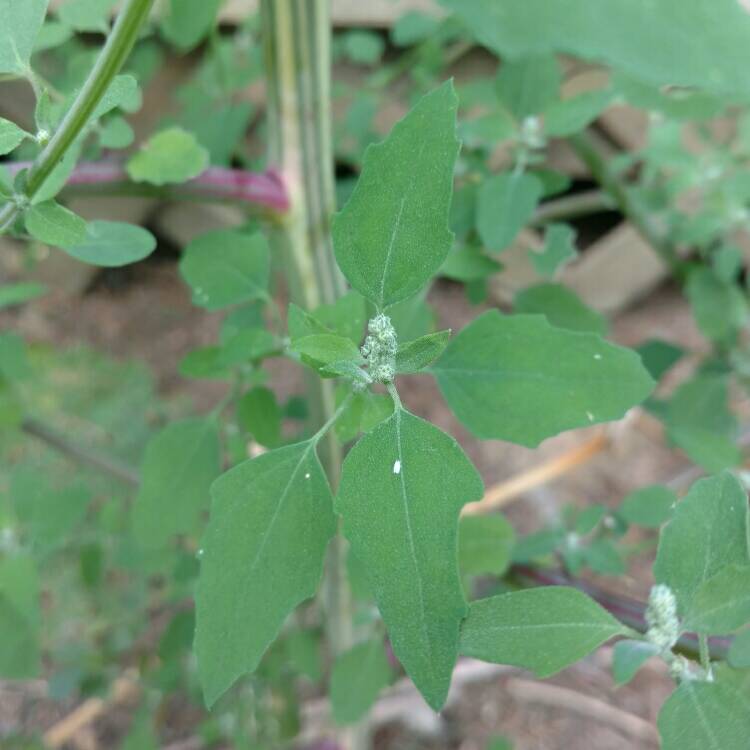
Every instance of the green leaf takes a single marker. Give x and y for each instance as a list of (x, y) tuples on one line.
[(346, 316), (205, 362), (113, 243), (569, 116), (649, 506), (739, 652), (259, 413), (484, 545), (361, 46), (86, 15), (249, 345), (358, 677), (708, 532), (516, 378), (19, 618), (303, 649), (302, 324), (603, 557), (170, 156), (226, 267), (719, 307), (668, 50), (562, 308), (629, 657), (413, 27), (10, 136), (179, 465), (659, 356), (329, 354), (19, 583), (48, 513), (412, 318), (392, 235), (116, 133), (54, 224), (51, 35), (544, 629), (559, 250), (21, 24), (722, 603), (17, 294), (699, 421), (188, 21), (13, 362), (704, 716), (506, 202), (264, 549), (528, 86), (123, 93), (19, 649), (416, 355), (469, 263), (365, 411), (402, 488)]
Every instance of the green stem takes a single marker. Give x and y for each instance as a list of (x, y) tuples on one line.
[(110, 61), (705, 654), (588, 147), (298, 59)]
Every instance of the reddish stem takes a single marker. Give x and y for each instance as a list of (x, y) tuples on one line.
[(264, 189)]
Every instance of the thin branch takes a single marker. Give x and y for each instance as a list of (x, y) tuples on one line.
[(124, 689), (108, 64), (217, 184), (588, 147), (80, 454), (573, 206), (504, 492)]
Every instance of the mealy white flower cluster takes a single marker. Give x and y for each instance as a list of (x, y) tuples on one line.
[(379, 349)]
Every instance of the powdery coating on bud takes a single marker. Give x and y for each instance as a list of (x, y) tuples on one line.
[(379, 349), (661, 616), (531, 133)]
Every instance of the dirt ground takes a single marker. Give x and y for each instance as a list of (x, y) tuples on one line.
[(145, 313)]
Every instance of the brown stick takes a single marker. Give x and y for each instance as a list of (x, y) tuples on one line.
[(124, 689), (504, 492)]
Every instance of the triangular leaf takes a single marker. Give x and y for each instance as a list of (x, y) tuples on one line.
[(392, 235), (402, 488), (517, 378), (708, 531), (544, 629), (263, 554)]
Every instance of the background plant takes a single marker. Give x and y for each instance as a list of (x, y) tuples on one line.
[(256, 566)]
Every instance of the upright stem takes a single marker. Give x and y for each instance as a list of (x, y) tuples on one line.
[(111, 59), (586, 145), (297, 49)]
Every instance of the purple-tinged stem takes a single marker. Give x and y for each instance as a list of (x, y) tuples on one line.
[(219, 184)]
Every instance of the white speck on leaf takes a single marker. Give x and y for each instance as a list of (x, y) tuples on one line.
[(307, 476), (397, 467), (590, 416), (597, 356)]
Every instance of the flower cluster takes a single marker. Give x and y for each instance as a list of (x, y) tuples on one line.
[(661, 616), (379, 349)]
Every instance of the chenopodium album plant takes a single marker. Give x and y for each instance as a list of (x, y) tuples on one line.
[(403, 482)]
